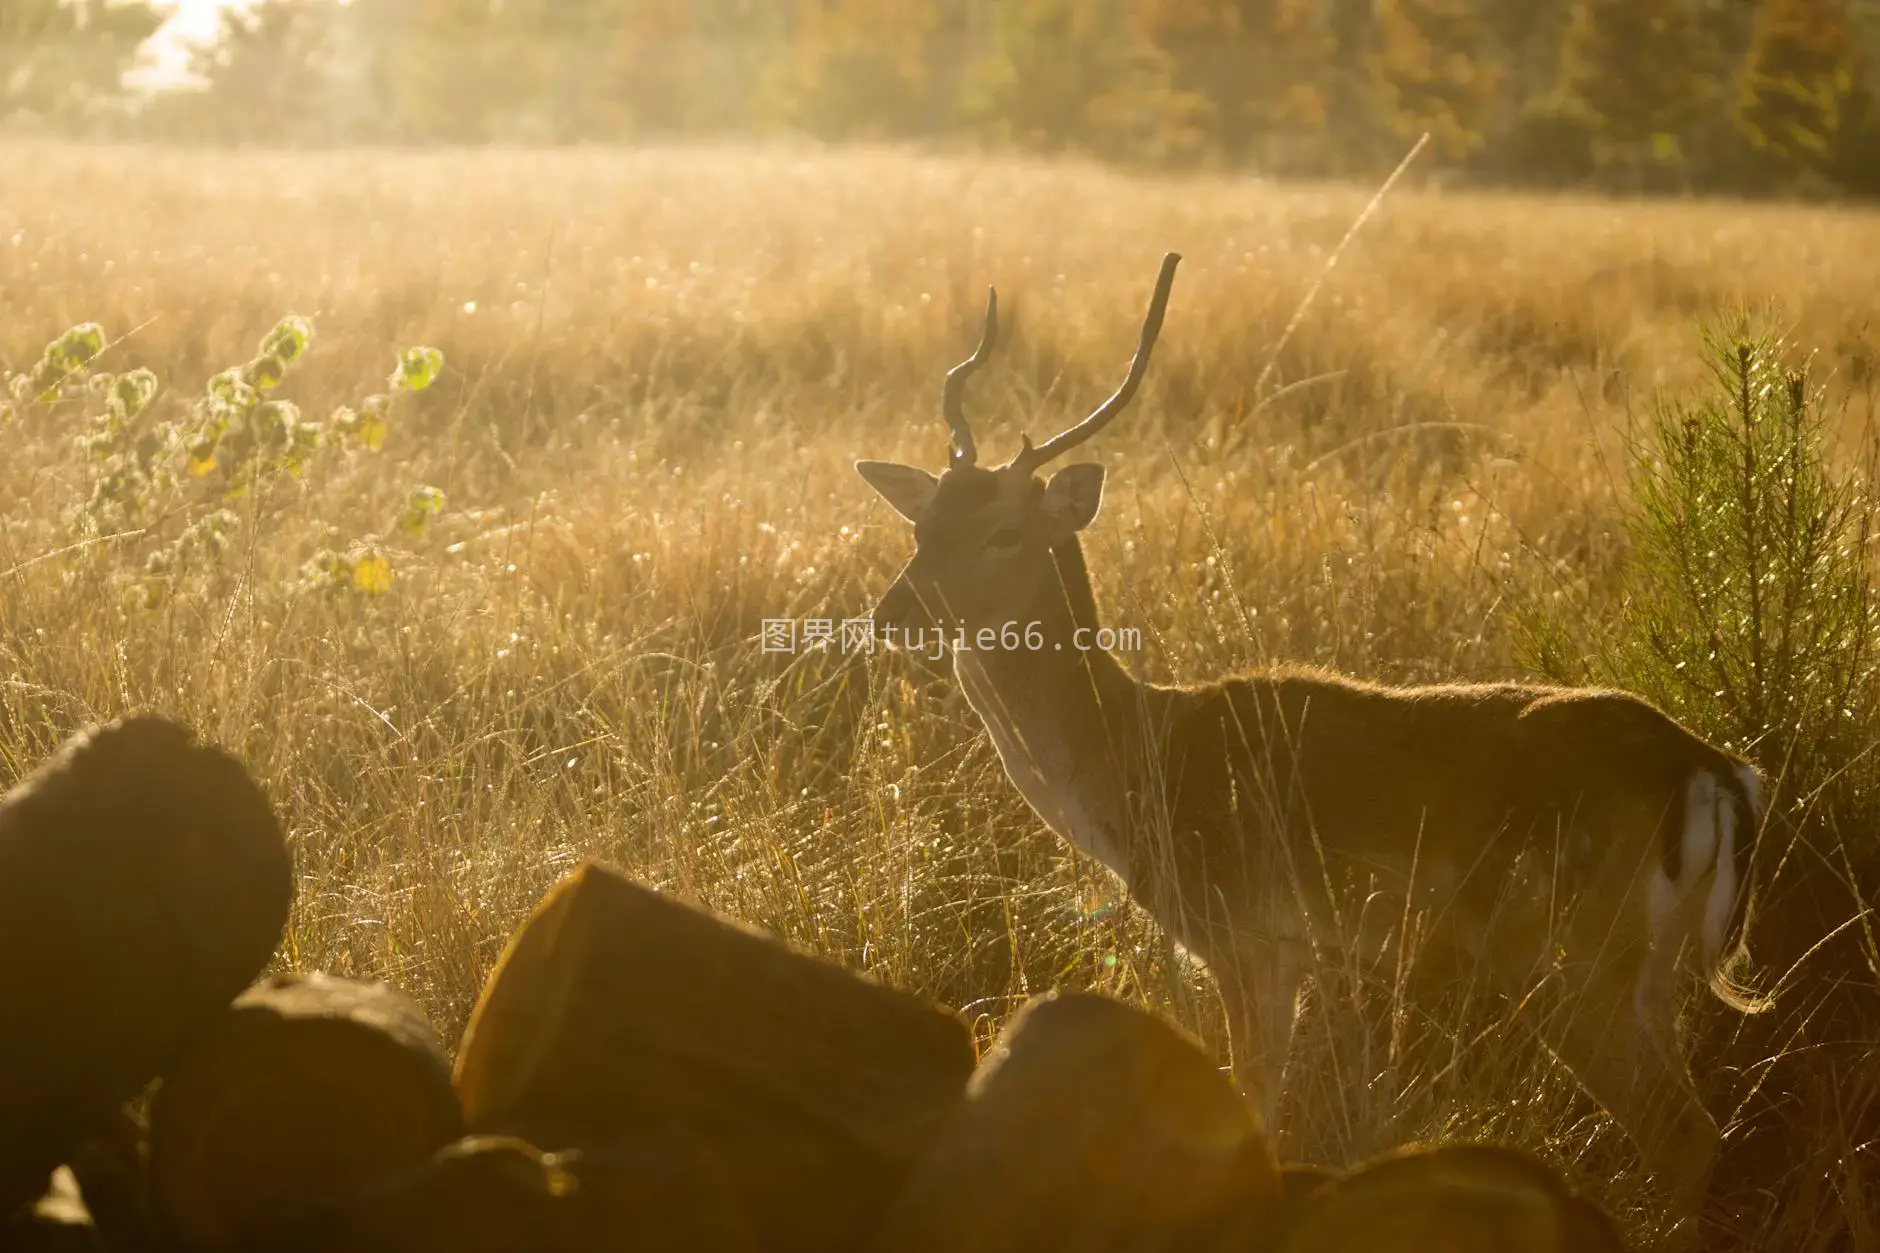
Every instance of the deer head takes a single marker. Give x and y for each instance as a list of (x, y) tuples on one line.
[(987, 542)]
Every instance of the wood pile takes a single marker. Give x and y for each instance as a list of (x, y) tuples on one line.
[(638, 1075)]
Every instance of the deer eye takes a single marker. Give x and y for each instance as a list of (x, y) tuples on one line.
[(1006, 538)]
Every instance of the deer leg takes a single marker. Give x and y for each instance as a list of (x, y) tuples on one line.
[(1689, 1141), (1261, 996), (1619, 1039)]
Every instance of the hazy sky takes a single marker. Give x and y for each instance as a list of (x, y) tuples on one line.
[(189, 19)]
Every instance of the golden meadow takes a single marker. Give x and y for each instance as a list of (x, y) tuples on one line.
[(660, 365)]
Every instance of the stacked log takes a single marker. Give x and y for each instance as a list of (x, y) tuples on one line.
[(638, 1074), (1091, 1125), (143, 885), (618, 1013), (498, 1194), (57, 1223), (308, 1091), (1456, 1198), (491, 1194)]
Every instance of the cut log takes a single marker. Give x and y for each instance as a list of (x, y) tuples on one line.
[(1093, 1125), (498, 1194), (57, 1223), (308, 1091), (1459, 1198), (664, 1193), (1299, 1180), (1264, 1218), (487, 1195), (618, 1012), (143, 885), (114, 1182)]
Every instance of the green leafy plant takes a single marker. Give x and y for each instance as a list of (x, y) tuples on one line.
[(1747, 609), (170, 482), (64, 363), (365, 566), (1748, 606)]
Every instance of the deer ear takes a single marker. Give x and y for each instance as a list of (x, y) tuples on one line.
[(908, 488), (1074, 494)]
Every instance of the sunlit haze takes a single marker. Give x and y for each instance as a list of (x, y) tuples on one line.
[(165, 59), (1373, 661)]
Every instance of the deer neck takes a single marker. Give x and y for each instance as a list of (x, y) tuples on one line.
[(1065, 716)]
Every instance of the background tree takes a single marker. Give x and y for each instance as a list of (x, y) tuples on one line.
[(270, 74), (470, 70), (858, 68), (1069, 73), (565, 68), (1641, 71), (1528, 36), (1719, 94), (1436, 70), (1226, 65), (433, 64), (1347, 134), (694, 66), (62, 62), (1802, 89)]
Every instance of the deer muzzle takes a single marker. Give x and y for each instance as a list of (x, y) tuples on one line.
[(899, 606)]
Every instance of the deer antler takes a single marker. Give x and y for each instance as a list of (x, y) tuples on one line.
[(965, 452), (1029, 458)]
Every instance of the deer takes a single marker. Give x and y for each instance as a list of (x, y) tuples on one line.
[(1572, 843)]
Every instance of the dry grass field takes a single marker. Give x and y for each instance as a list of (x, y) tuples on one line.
[(660, 366)]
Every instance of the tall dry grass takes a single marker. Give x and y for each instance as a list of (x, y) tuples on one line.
[(660, 367)]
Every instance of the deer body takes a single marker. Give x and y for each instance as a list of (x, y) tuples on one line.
[(1567, 843)]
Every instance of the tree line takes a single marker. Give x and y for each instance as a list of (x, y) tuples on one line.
[(1738, 95)]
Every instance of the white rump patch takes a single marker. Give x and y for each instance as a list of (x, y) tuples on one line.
[(1701, 810), (1752, 788), (1706, 846), (1723, 887), (1664, 908)]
